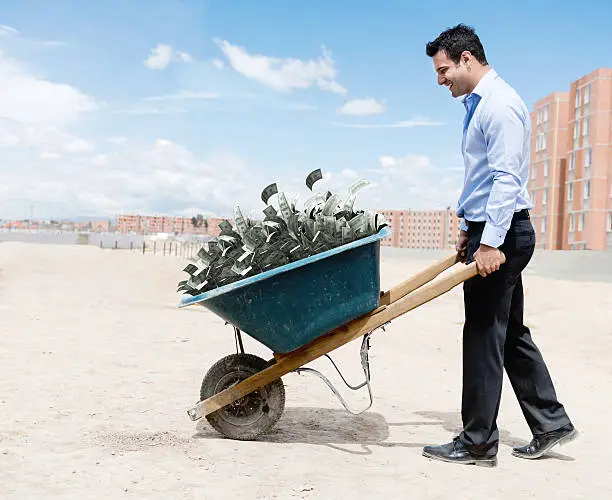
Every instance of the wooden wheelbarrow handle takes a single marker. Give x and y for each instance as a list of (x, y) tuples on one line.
[(397, 303)]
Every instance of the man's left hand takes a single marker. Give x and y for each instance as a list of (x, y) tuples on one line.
[(488, 259)]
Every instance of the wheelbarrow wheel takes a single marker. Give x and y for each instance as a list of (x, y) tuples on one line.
[(251, 415)]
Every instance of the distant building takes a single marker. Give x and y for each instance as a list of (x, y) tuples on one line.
[(571, 165), (151, 224), (434, 229)]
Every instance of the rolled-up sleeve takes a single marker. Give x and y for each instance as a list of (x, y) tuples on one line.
[(504, 131)]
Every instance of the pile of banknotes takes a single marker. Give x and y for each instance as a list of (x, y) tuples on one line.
[(285, 235)]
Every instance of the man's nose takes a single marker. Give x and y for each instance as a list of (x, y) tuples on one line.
[(441, 80)]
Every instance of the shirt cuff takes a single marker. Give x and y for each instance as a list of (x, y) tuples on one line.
[(493, 236), (463, 225)]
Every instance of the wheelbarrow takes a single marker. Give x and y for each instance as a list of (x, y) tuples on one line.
[(302, 311)]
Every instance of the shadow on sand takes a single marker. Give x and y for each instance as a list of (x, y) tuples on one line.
[(335, 427)]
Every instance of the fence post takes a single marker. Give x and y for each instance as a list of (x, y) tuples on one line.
[(115, 244), (143, 247), (154, 247)]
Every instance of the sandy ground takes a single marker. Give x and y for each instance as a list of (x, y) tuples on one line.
[(98, 366)]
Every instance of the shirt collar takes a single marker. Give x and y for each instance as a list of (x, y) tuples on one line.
[(483, 87)]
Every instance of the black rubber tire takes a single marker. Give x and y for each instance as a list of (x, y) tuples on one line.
[(265, 405)]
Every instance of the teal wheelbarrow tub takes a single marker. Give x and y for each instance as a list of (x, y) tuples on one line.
[(289, 306)]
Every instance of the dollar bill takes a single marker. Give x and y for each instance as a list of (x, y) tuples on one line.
[(358, 222), (269, 211), (371, 221), (191, 269), (348, 204), (313, 177), (241, 224), (348, 234), (292, 225), (329, 224), (284, 206), (268, 191), (225, 226), (249, 244), (358, 185), (330, 205), (206, 257)]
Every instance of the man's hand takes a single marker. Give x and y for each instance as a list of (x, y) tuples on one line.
[(461, 245), (488, 259)]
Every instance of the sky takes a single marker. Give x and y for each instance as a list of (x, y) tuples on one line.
[(179, 107)]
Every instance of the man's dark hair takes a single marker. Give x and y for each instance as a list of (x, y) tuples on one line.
[(454, 41)]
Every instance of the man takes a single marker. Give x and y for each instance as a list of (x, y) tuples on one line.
[(494, 208)]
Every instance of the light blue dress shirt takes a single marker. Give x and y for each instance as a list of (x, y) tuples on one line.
[(495, 148)]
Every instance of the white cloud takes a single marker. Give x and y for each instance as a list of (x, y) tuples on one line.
[(147, 110), (117, 140), (157, 177), (160, 57), (218, 63), (163, 54), (35, 114), (8, 30), (362, 107), (183, 56), (184, 95), (167, 178), (399, 124), (45, 138), (300, 106), (413, 181), (28, 99), (284, 74)]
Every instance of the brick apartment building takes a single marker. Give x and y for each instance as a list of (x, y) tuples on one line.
[(151, 224), (433, 229), (571, 165)]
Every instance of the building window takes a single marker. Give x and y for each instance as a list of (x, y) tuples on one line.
[(587, 189), (545, 118), (588, 157), (571, 223), (576, 129), (544, 224), (587, 94), (546, 168), (610, 222), (577, 98), (585, 126), (539, 116), (572, 161), (544, 196), (581, 222), (570, 192)]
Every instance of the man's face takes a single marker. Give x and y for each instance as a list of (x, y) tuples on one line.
[(454, 76)]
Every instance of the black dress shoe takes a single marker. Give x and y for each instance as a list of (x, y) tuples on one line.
[(455, 452), (542, 443)]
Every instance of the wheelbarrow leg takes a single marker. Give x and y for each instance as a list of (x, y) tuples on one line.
[(286, 363)]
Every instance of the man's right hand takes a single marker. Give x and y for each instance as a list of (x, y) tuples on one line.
[(461, 245)]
